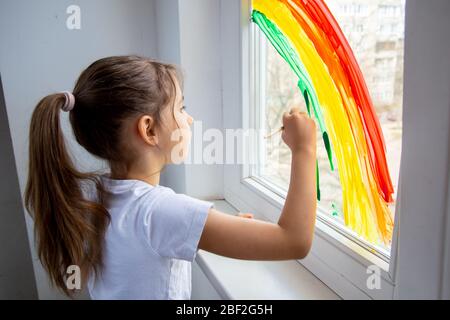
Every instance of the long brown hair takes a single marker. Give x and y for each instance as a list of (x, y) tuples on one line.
[(69, 229)]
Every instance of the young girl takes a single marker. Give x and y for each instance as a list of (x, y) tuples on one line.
[(131, 237)]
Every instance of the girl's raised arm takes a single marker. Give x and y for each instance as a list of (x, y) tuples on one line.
[(292, 236)]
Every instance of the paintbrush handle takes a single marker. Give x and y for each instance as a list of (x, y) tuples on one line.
[(274, 133)]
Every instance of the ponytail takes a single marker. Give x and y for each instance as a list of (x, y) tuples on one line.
[(69, 230)]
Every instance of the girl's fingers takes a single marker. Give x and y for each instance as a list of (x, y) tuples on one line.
[(294, 109)]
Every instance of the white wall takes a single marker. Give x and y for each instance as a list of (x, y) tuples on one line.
[(39, 55), (188, 34), (201, 56)]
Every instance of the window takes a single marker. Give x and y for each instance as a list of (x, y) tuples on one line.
[(337, 260), (385, 63), (386, 46), (389, 29), (390, 11), (351, 9), (278, 92)]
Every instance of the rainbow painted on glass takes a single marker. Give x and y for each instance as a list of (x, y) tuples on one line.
[(307, 36)]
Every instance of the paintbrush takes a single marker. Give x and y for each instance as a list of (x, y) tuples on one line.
[(274, 133)]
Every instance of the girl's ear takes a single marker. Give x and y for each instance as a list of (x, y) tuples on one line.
[(146, 130)]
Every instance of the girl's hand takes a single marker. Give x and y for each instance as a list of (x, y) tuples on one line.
[(299, 131), (245, 215)]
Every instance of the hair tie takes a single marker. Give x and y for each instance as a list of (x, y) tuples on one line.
[(70, 101)]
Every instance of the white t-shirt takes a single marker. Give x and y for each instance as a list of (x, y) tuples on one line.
[(150, 242)]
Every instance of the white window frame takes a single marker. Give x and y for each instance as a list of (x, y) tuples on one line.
[(339, 262)]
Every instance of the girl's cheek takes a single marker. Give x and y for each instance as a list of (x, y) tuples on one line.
[(183, 121)]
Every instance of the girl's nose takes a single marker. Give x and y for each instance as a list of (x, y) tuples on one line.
[(190, 120)]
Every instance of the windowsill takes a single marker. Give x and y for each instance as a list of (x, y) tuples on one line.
[(344, 243), (263, 280)]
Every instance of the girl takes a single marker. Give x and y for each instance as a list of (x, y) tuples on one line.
[(131, 237)]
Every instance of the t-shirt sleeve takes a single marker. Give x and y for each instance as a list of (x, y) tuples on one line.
[(176, 225)]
